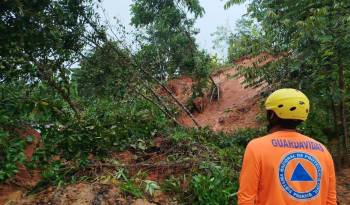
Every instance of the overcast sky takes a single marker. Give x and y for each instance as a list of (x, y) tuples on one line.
[(214, 16)]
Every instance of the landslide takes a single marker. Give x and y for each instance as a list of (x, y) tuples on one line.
[(236, 106)]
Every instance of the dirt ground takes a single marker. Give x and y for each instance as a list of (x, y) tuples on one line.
[(85, 194), (343, 187), (237, 107)]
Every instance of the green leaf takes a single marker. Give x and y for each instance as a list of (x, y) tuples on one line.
[(30, 138)]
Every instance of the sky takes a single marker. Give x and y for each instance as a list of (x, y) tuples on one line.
[(215, 16)]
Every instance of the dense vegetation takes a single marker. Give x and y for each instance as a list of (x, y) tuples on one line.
[(89, 93)]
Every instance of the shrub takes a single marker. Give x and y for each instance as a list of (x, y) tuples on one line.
[(11, 154), (216, 186)]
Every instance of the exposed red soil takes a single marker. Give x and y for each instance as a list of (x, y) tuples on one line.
[(24, 179), (86, 194), (181, 87), (105, 189), (10, 192), (259, 60), (343, 187), (237, 106)]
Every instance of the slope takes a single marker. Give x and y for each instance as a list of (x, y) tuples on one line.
[(237, 106)]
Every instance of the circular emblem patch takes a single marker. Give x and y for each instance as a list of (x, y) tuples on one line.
[(300, 175)]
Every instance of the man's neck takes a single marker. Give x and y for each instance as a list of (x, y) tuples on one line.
[(277, 128)]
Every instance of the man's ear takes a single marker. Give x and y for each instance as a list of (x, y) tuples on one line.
[(270, 114)]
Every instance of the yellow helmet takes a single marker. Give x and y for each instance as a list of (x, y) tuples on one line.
[(288, 103)]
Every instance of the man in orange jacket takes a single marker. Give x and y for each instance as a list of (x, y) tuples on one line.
[(286, 167)]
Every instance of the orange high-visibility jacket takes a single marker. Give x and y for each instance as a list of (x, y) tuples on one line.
[(287, 168)]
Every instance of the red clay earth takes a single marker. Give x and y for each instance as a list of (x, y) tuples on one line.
[(105, 190), (24, 179), (237, 106)]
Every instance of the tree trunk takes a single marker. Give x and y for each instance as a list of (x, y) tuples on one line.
[(182, 106), (216, 87), (343, 112), (47, 77), (160, 107), (338, 160)]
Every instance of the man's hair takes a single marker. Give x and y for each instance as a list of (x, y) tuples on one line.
[(274, 120)]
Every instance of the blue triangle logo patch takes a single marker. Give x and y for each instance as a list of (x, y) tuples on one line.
[(301, 175)]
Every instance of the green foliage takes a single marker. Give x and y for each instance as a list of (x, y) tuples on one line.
[(151, 187), (107, 126), (201, 72), (130, 188), (319, 125), (168, 47), (52, 172), (11, 153), (180, 135), (105, 72), (172, 185), (41, 41), (240, 137), (42, 33), (133, 186), (216, 186), (221, 140), (248, 40), (230, 3), (216, 180), (21, 105)]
